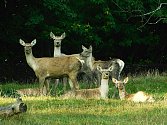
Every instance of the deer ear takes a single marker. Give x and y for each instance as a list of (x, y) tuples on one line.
[(90, 47), (99, 68), (114, 80), (63, 35), (22, 42), (33, 42), (126, 80), (110, 68), (83, 47), (52, 35)]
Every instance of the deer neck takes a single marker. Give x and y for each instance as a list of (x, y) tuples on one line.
[(31, 60), (57, 51), (89, 61), (122, 94), (104, 88)]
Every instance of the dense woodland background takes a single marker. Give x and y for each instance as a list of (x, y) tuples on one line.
[(132, 30)]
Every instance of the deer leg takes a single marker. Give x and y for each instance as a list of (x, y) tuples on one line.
[(47, 89), (73, 82), (41, 81), (57, 81), (65, 80), (90, 80), (55, 85)]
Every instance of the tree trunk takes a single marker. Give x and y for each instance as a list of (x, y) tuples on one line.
[(15, 108)]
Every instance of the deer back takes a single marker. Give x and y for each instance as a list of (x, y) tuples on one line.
[(82, 94), (57, 66), (31, 92)]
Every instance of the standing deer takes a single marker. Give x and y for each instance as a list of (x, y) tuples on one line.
[(96, 93), (140, 96), (57, 53), (52, 67), (117, 64)]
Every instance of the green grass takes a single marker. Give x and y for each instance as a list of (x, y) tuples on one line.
[(49, 110)]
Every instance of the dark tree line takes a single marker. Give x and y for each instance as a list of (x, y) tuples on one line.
[(134, 31)]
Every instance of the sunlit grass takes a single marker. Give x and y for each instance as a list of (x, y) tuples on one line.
[(50, 110)]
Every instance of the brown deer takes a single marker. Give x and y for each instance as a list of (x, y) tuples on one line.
[(58, 53), (140, 96), (96, 93), (117, 65), (52, 67)]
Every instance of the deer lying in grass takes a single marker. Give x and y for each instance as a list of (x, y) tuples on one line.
[(96, 93), (32, 92), (140, 96), (52, 67)]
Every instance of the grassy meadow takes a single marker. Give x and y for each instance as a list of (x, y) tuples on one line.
[(50, 110)]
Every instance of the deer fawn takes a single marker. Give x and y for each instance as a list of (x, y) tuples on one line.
[(52, 67), (140, 96), (96, 93)]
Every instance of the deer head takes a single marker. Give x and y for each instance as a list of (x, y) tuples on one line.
[(86, 52), (28, 46), (105, 72), (121, 87), (87, 56), (57, 39)]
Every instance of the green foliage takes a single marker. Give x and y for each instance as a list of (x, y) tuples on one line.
[(97, 1), (119, 23), (59, 8), (34, 19), (130, 5)]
